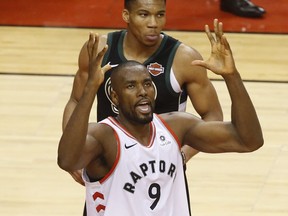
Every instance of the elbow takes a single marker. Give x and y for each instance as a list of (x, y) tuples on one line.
[(255, 144), (260, 143), (215, 116), (259, 140), (64, 164)]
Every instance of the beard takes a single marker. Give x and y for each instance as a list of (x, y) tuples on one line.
[(144, 120), (138, 118)]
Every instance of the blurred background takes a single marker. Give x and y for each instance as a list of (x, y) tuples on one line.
[(39, 46)]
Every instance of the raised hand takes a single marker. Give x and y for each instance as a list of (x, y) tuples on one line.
[(96, 73), (221, 60), (95, 78)]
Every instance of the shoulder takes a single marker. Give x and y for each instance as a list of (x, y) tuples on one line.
[(180, 122), (102, 144), (102, 133), (177, 117), (187, 53), (183, 69), (100, 129)]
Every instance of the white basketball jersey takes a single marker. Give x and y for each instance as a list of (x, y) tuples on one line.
[(145, 180)]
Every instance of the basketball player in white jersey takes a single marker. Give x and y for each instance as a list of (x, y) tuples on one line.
[(132, 163)]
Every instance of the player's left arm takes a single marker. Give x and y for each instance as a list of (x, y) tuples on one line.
[(200, 90)]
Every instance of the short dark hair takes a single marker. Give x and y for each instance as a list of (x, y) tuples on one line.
[(128, 3), (121, 68)]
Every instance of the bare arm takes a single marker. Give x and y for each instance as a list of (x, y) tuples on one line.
[(244, 133), (204, 99), (199, 88), (75, 141), (80, 80), (79, 84)]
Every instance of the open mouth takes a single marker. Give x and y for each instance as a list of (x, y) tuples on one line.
[(144, 107)]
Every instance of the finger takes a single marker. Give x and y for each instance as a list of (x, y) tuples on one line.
[(217, 30), (215, 22), (90, 44), (221, 32), (209, 35), (199, 63), (95, 45), (80, 182), (101, 54), (106, 67), (77, 177), (226, 44)]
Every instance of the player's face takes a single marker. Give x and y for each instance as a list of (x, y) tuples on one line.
[(146, 20), (136, 97)]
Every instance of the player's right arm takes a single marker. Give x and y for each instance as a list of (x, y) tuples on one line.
[(79, 83), (80, 80), (78, 87)]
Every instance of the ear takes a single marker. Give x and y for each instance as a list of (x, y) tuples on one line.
[(125, 15), (114, 98)]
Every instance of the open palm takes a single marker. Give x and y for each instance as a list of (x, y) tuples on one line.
[(221, 59)]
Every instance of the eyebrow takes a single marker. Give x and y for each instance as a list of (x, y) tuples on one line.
[(134, 81), (148, 11)]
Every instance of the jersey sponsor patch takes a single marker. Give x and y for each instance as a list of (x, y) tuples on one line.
[(155, 69)]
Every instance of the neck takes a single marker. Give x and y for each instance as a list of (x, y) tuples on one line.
[(141, 132), (135, 50)]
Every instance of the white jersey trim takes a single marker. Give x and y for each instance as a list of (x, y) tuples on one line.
[(174, 83)]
